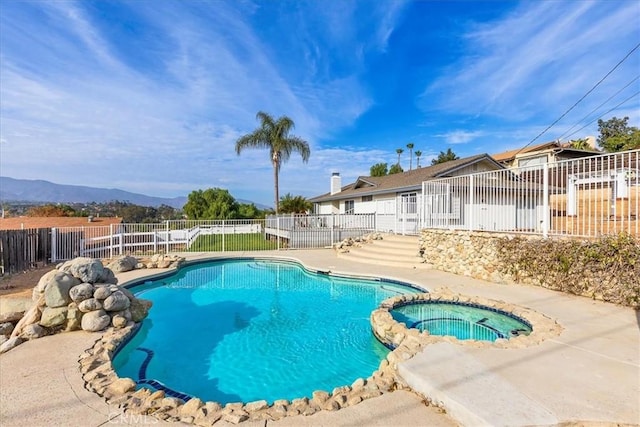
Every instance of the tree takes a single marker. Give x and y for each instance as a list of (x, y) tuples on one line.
[(395, 169), (418, 155), (274, 135), (249, 211), (294, 204), (212, 203), (51, 210), (399, 151), (410, 147), (580, 144), (445, 157), (616, 135), (379, 169)]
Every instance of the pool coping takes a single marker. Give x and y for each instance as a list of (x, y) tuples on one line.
[(100, 377)]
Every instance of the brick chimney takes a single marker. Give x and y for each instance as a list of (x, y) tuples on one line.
[(336, 183)]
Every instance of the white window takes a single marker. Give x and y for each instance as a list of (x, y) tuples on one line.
[(349, 206), (367, 198)]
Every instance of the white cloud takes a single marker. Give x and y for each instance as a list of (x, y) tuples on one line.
[(460, 136), (538, 60), (78, 109)]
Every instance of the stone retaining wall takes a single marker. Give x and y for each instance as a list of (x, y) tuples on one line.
[(468, 253)]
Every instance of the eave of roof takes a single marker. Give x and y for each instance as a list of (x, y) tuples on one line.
[(405, 181)]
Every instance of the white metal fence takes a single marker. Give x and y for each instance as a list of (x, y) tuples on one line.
[(273, 233), (585, 197)]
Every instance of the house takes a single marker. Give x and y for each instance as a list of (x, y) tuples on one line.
[(395, 199), (547, 152)]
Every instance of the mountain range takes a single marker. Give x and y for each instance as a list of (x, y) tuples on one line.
[(26, 190)]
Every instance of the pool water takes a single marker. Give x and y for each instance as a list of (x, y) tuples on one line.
[(246, 330), (463, 321)]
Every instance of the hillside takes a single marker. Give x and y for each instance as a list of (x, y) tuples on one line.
[(24, 190)]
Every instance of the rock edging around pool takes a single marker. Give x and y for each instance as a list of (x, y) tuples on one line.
[(100, 377), (406, 342)]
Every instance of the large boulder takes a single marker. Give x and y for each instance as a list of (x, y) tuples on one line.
[(13, 316), (56, 288), (125, 263), (91, 304), (53, 316), (117, 301), (139, 309), (95, 321), (10, 344), (88, 270), (74, 318), (107, 276), (33, 331), (32, 315), (81, 292), (102, 292), (6, 328)]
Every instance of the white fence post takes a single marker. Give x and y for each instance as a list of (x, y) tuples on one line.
[(167, 238), (223, 234), (333, 219), (545, 201), (278, 232), (54, 245), (472, 201), (111, 241)]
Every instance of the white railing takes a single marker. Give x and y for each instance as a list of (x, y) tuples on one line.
[(282, 232), (317, 231), (585, 197)]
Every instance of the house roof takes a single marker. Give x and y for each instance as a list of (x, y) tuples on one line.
[(511, 154), (405, 181), (26, 222)]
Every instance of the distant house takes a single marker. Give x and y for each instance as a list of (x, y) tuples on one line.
[(539, 154), (395, 199), (29, 222)]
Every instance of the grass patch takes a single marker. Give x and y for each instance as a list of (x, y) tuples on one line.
[(232, 242)]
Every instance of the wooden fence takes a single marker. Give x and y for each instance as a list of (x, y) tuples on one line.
[(21, 250)]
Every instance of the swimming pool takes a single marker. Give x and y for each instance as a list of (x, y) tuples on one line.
[(246, 330)]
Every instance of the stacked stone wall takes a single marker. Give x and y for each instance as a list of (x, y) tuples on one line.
[(605, 269), (468, 253)]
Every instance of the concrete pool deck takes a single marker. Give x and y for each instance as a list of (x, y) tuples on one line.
[(589, 374)]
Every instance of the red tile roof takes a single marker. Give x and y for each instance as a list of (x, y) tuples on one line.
[(25, 222)]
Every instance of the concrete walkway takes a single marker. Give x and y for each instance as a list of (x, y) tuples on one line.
[(590, 373)]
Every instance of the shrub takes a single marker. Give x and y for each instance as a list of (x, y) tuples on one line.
[(606, 269)]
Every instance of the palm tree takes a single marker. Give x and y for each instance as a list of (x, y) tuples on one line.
[(294, 204), (399, 151), (274, 135), (580, 144), (418, 154), (410, 147)]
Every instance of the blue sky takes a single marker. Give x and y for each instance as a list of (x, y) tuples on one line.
[(151, 96)]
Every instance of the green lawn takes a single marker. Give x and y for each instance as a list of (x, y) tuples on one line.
[(232, 242)]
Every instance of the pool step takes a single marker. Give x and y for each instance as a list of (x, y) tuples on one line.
[(469, 391), (392, 250)]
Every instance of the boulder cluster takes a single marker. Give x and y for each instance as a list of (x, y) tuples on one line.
[(128, 263), (344, 245), (78, 294)]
